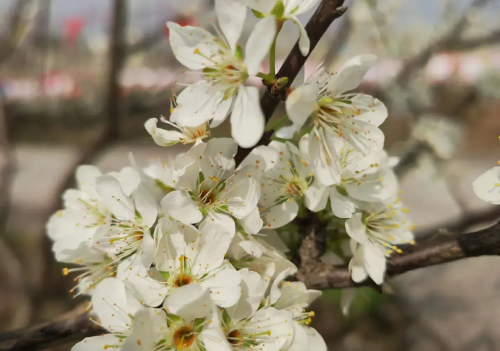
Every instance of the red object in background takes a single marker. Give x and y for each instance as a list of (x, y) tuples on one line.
[(182, 21), (73, 28)]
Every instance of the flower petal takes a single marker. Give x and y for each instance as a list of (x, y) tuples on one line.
[(316, 196), (97, 342), (342, 206), (179, 205), (113, 197), (224, 286), (258, 44), (281, 214), (301, 103), (375, 263), (372, 110), (231, 15), (252, 292), (247, 118), (189, 302), (252, 223), (199, 103), (350, 74), (304, 42), (487, 186), (356, 228), (145, 204), (147, 330), (184, 42), (162, 137)]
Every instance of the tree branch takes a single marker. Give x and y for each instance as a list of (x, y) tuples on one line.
[(326, 13), (74, 326), (441, 249)]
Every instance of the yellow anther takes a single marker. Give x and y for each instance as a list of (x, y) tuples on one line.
[(65, 271)]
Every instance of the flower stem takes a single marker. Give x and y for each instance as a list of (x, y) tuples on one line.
[(266, 78)]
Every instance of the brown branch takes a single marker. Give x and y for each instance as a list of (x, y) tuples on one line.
[(441, 249), (73, 326), (325, 14), (472, 43)]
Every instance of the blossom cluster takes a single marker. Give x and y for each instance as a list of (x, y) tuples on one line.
[(187, 254)]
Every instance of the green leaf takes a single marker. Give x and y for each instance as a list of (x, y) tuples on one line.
[(278, 10)]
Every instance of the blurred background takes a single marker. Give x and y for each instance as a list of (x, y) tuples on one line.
[(78, 79)]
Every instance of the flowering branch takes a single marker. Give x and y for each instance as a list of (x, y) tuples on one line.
[(327, 12), (441, 249)]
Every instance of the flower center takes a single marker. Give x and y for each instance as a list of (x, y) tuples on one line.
[(184, 337), (182, 280), (234, 337), (207, 197), (293, 189)]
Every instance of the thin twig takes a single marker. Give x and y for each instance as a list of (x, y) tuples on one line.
[(326, 13)]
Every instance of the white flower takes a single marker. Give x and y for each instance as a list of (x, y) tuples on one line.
[(375, 232), (290, 179), (262, 253), (362, 178), (184, 326), (225, 72), (186, 256), (160, 178), (487, 186), (335, 115), (287, 10), (185, 135), (128, 224), (84, 214), (246, 326), (294, 297), (211, 189), (115, 308)]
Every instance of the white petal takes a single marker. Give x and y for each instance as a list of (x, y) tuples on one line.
[(252, 292), (316, 196), (191, 157), (375, 263), (217, 220), (350, 74), (378, 187), (324, 160), (247, 118), (231, 15), (357, 266), (197, 104), (258, 44), (300, 339), (129, 180), (342, 206), (356, 228), (147, 330), (145, 204), (138, 281), (162, 137), (185, 40), (224, 286), (218, 157), (304, 43), (302, 7), (222, 112), (263, 7), (179, 205), (209, 251), (376, 113), (316, 341), (86, 176), (110, 297), (113, 197), (97, 343), (189, 302), (487, 187), (363, 136), (301, 103), (252, 223), (279, 215)]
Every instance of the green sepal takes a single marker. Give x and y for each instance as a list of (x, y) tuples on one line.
[(258, 14), (198, 324), (165, 275), (341, 190), (278, 10), (238, 52), (226, 320)]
